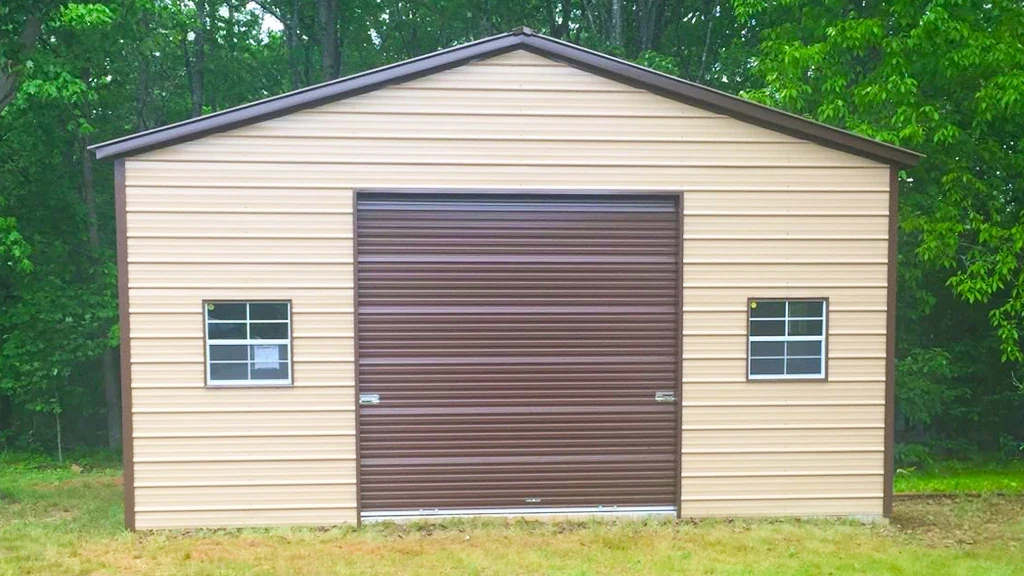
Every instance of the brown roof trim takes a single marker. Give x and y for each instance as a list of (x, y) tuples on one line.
[(520, 38)]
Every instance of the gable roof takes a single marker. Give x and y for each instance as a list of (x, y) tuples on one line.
[(519, 39)]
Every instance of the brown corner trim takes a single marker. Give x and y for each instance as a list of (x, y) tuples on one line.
[(127, 440), (525, 39), (355, 349), (680, 199), (890, 344)]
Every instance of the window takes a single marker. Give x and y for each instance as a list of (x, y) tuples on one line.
[(786, 339), (248, 343)]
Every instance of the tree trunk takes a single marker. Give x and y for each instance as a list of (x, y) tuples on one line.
[(6, 419), (712, 11), (198, 59), (107, 365), (327, 21), (291, 38), (648, 24), (10, 79), (616, 32)]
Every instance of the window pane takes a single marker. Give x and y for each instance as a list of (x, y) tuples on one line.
[(225, 311), (803, 366), (805, 348), (767, 327), (763, 367), (767, 349), (278, 373), (767, 309), (268, 331), (805, 309), (268, 311), (229, 353), (805, 327), (268, 356), (226, 331), (220, 371)]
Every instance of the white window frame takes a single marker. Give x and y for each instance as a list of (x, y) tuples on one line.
[(786, 338), (209, 343)]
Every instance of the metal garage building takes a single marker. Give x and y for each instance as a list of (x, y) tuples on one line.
[(512, 277)]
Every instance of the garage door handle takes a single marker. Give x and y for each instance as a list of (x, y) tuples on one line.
[(369, 399), (664, 396)]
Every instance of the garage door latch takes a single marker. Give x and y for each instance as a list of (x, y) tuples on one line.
[(369, 399), (664, 396)]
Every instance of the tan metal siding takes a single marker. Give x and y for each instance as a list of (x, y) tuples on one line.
[(228, 457), (265, 212)]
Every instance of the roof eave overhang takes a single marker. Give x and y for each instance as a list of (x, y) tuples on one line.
[(594, 62)]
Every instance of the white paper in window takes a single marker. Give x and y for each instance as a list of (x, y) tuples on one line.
[(266, 358)]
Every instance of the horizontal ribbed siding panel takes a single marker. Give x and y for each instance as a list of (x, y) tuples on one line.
[(522, 58), (825, 464), (487, 73), (839, 368), (516, 364), (333, 469), (321, 516), (789, 506), (404, 99), (696, 417), (472, 125), (241, 423), (234, 200), (742, 275), (305, 300), (243, 400), (236, 225), (205, 275), (844, 301), (740, 251), (244, 497), (217, 450), (780, 227), (190, 374), (413, 151), (763, 487), (818, 437), (276, 174), (775, 393), (240, 250), (755, 204)]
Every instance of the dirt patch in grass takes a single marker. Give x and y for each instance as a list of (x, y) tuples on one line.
[(959, 520)]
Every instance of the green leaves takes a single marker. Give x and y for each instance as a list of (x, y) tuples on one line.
[(14, 251)]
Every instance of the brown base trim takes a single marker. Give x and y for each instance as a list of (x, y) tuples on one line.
[(127, 442), (890, 345)]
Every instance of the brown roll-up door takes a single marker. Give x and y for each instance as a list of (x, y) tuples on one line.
[(515, 345)]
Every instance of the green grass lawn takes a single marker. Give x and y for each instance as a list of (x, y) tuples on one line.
[(67, 520), (963, 477)]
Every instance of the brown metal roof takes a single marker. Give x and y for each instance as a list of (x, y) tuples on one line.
[(518, 39)]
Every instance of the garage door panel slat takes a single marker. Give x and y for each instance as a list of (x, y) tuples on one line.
[(516, 344)]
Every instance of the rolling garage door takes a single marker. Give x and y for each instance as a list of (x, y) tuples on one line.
[(516, 354)]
